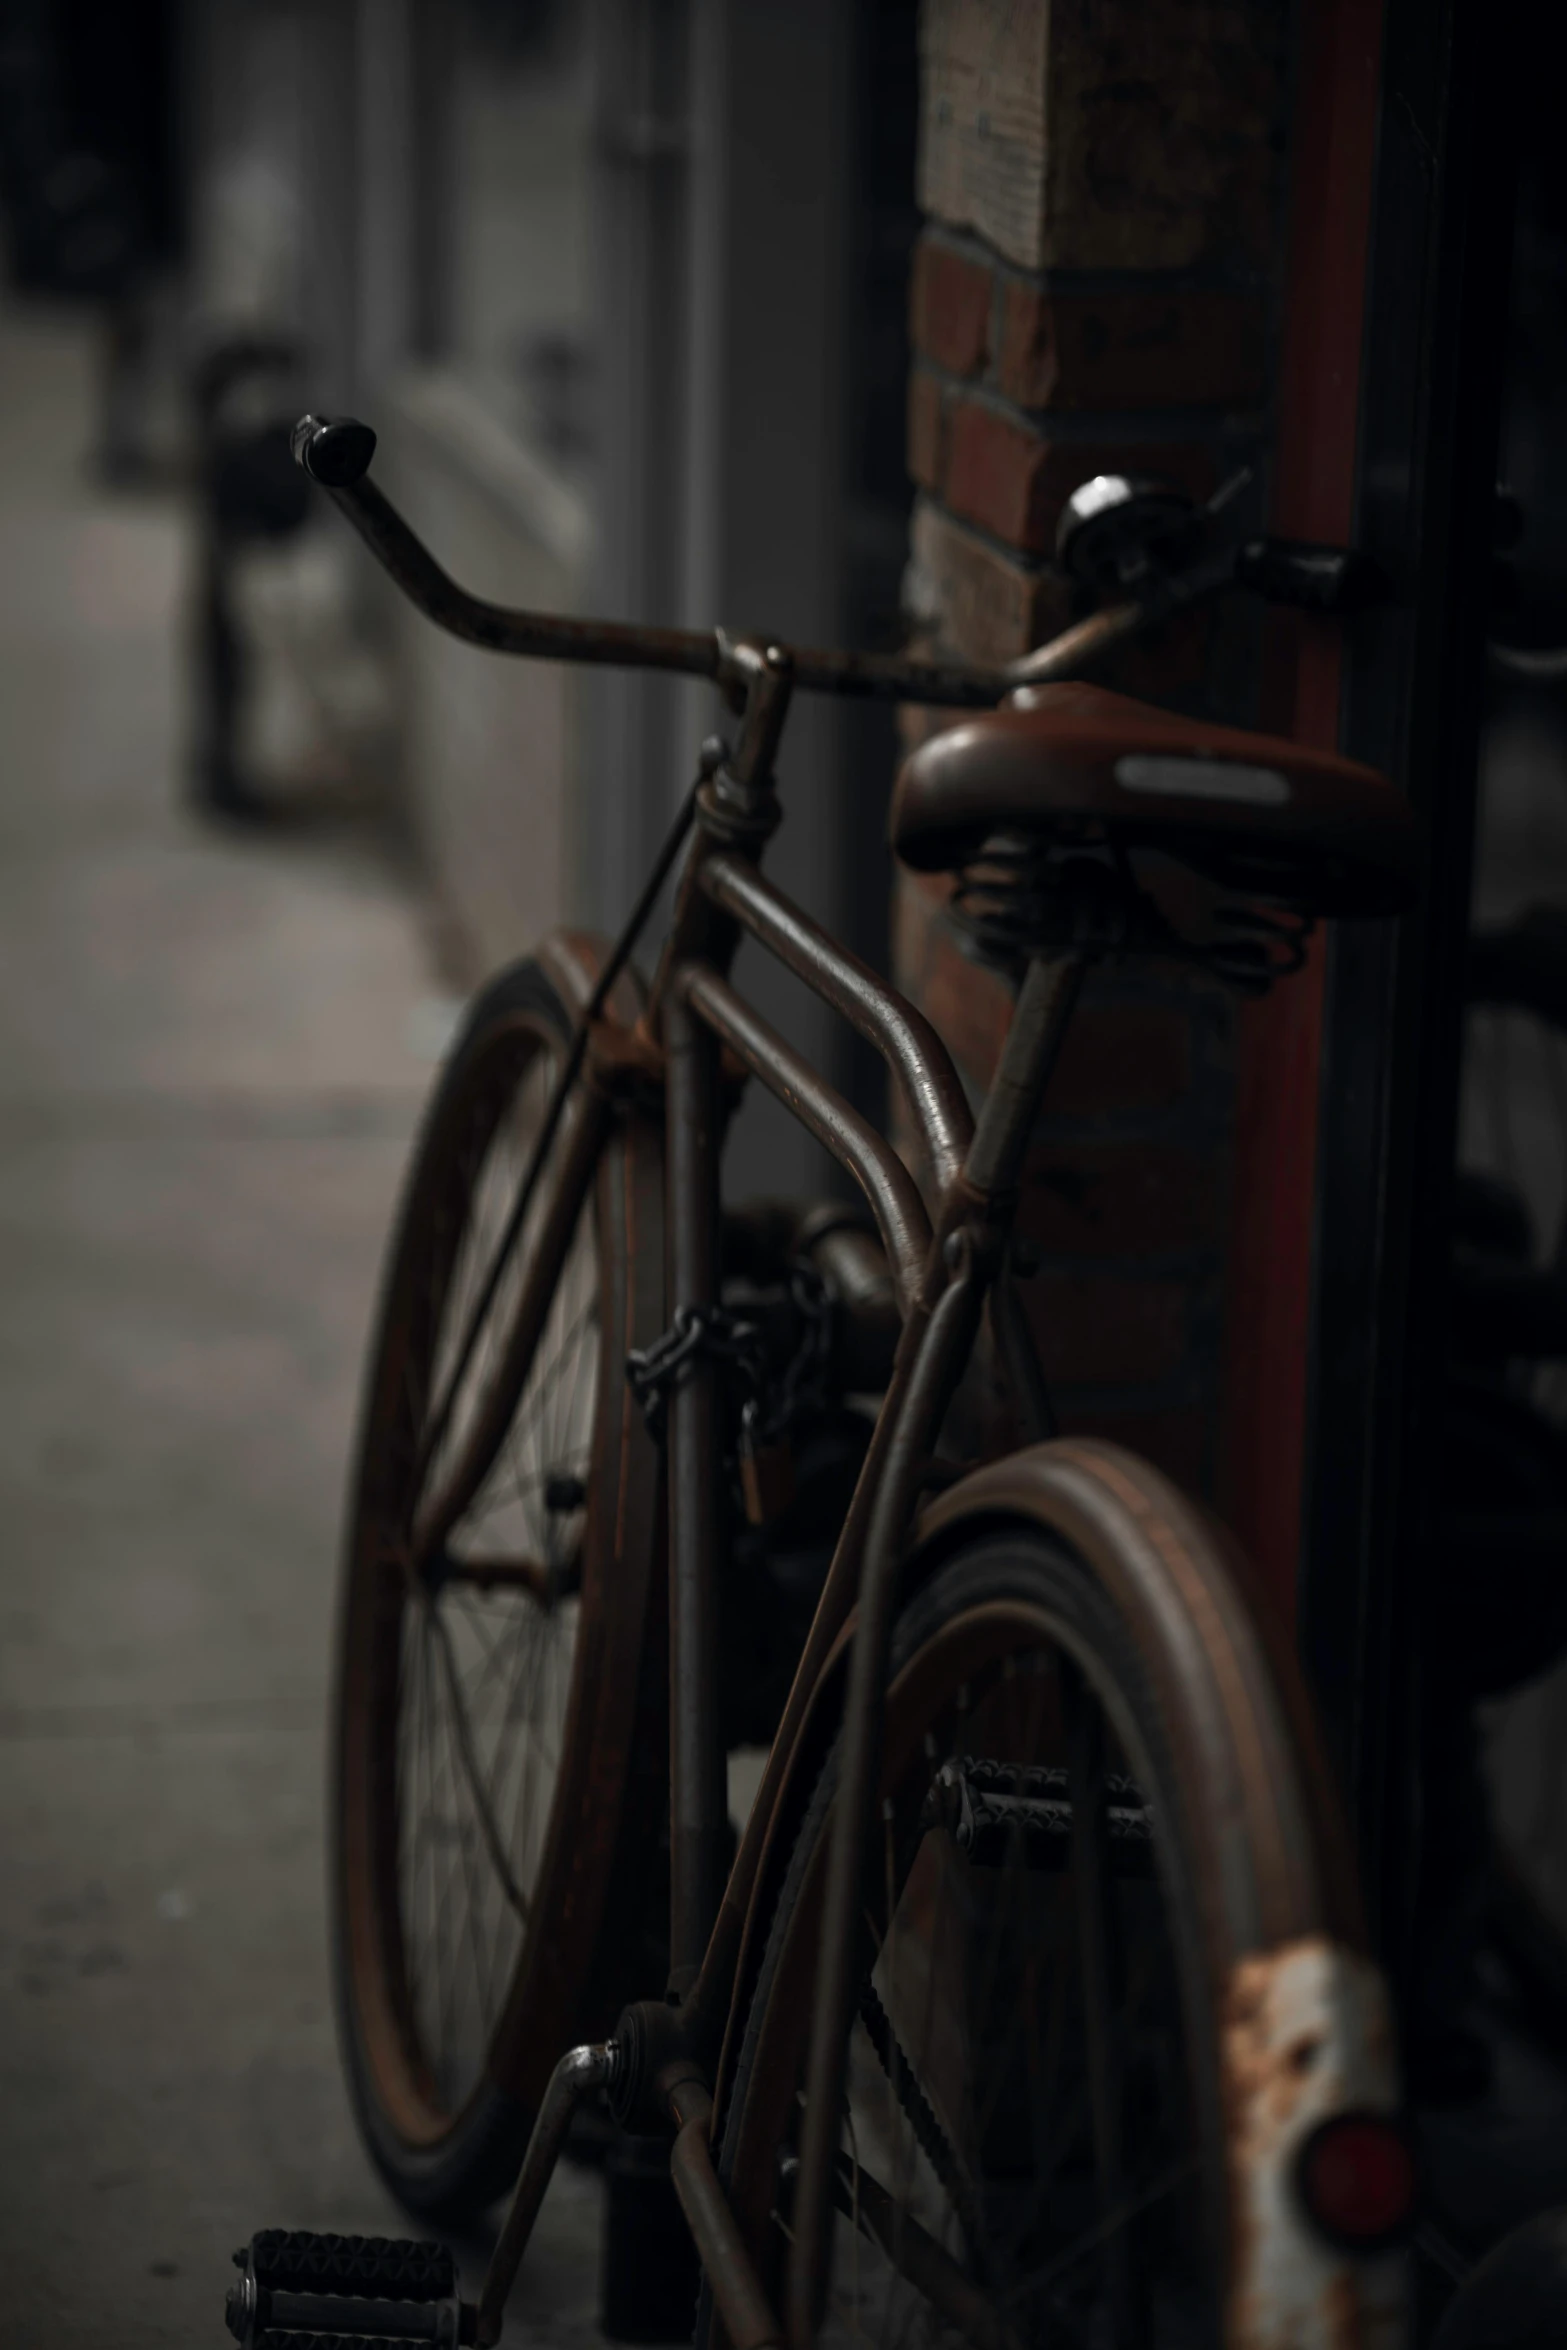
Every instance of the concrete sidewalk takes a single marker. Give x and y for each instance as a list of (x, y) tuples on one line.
[(208, 1080)]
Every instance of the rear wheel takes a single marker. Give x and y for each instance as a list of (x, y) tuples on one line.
[(1039, 2138), (495, 1819)]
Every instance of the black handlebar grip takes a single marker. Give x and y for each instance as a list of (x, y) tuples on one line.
[(334, 450), (1313, 579)]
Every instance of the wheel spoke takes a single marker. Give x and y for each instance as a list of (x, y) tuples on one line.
[(470, 1765), (1099, 1975), (919, 2258), (1104, 2231)]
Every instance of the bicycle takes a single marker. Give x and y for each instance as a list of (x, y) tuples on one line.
[(1033, 1999)]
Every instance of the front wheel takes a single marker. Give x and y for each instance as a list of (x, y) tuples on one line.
[(498, 1780), (1044, 2137)]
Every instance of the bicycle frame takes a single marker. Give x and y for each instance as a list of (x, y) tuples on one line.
[(947, 1252), (945, 1260)]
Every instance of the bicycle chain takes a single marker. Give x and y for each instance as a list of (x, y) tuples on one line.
[(696, 1330), (728, 1337), (929, 2134)]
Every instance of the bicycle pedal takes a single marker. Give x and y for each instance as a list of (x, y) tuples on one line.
[(298, 2291)]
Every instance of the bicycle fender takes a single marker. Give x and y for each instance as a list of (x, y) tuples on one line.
[(574, 959), (1302, 2023)]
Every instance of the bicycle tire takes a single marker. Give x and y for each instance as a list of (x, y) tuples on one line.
[(452, 1832), (993, 1610)]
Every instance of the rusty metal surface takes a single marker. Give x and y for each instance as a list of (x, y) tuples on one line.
[(874, 1164), (579, 2072), (576, 960), (1306, 2034), (735, 804), (902, 1035), (737, 2290), (1080, 647)]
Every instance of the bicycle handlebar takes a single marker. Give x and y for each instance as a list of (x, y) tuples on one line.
[(336, 453)]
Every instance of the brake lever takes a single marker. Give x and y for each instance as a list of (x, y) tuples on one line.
[(1297, 572), (1329, 580)]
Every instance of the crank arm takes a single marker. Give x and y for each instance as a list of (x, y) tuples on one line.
[(687, 2102)]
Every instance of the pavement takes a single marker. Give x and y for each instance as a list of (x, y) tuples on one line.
[(212, 1050)]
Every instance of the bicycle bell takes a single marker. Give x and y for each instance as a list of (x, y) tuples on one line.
[(1118, 527)]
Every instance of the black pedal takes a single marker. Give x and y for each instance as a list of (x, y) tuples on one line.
[(297, 2291)]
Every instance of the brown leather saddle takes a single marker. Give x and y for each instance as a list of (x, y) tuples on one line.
[(1072, 765)]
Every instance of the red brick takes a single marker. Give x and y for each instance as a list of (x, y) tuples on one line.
[(1119, 1199), (992, 609), (1094, 1330), (1196, 346), (1122, 1057), (950, 300), (1178, 1442), (994, 465), (1014, 481), (927, 428)]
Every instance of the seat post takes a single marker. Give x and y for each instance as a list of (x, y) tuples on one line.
[(1045, 1003)]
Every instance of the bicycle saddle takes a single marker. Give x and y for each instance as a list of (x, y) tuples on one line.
[(1074, 763)]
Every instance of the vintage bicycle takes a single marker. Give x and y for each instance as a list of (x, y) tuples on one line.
[(1032, 2002)]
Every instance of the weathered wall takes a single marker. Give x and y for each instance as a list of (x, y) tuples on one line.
[(1095, 288)]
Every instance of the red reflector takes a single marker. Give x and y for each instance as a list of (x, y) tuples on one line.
[(1357, 2179)]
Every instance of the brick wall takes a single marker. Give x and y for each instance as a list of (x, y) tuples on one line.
[(1095, 289)]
